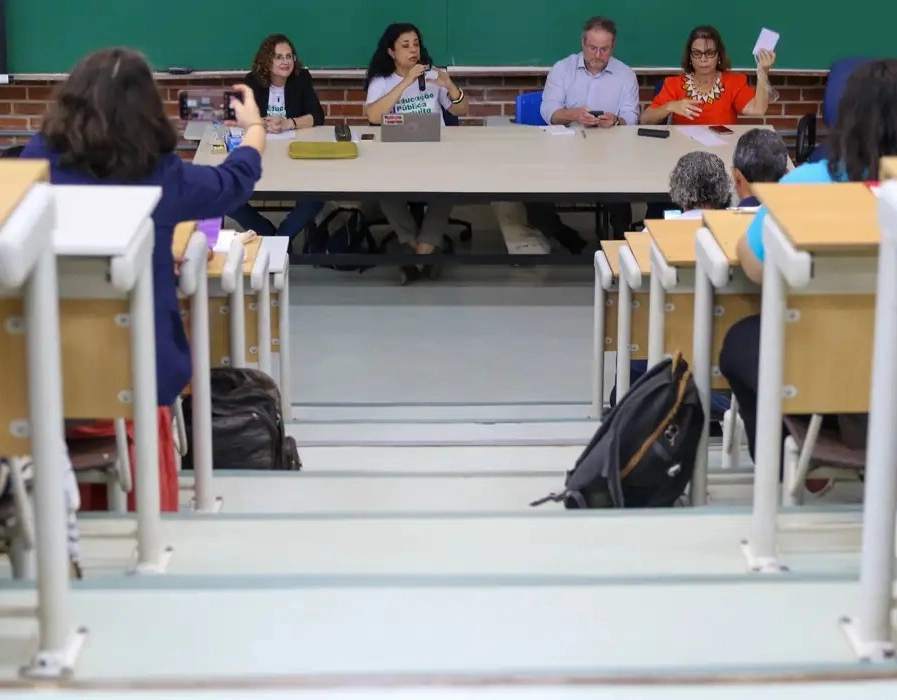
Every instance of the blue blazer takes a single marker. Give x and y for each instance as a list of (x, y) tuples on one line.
[(189, 192)]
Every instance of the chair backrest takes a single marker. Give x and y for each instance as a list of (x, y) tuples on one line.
[(450, 119), (835, 84), (527, 110)]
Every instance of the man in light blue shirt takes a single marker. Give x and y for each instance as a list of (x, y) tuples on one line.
[(594, 89)]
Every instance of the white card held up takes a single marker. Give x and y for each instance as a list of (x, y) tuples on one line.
[(766, 41)]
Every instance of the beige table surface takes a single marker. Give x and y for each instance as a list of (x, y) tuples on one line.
[(490, 161)]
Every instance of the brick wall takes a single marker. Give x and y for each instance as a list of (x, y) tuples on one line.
[(23, 103)]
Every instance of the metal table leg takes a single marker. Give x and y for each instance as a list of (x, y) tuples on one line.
[(282, 284)]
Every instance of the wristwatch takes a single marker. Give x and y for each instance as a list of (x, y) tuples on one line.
[(616, 121)]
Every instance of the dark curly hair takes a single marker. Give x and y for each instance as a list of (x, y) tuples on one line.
[(108, 118), (705, 31), (866, 127), (261, 64), (382, 64)]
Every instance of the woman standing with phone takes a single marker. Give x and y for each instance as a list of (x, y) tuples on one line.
[(287, 100)]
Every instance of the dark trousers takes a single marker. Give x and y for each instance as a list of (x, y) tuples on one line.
[(739, 363), (544, 217), (301, 216)]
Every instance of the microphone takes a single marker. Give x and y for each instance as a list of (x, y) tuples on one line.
[(422, 79)]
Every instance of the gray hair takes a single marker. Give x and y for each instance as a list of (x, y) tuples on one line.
[(761, 156), (700, 181)]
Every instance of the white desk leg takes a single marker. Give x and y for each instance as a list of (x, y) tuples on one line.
[(760, 549), (286, 398), (624, 337), (598, 321), (656, 310), (237, 325), (204, 500), (870, 633), (56, 649), (264, 325), (146, 426), (701, 369)]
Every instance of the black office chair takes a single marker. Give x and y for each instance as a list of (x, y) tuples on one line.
[(419, 209)]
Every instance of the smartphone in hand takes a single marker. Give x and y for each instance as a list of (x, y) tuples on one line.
[(207, 104), (596, 113)]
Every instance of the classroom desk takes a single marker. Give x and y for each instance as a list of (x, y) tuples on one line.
[(722, 292), (106, 292), (607, 272), (31, 406), (191, 246), (277, 250), (870, 633), (817, 319), (632, 319), (483, 164)]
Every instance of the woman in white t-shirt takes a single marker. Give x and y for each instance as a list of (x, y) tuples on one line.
[(287, 101), (392, 86)]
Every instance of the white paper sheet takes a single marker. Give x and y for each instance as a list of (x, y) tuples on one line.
[(702, 135), (558, 130), (283, 136), (766, 41), (225, 238)]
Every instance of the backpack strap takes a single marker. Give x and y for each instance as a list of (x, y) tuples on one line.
[(551, 498), (658, 431)]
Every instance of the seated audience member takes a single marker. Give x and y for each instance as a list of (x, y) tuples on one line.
[(591, 80), (285, 95), (399, 60), (760, 156), (699, 181), (864, 132), (107, 125), (72, 497), (708, 92)]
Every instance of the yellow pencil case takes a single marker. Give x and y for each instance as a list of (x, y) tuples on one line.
[(323, 150)]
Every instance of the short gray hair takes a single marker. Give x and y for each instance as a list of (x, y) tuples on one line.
[(761, 156), (700, 181)]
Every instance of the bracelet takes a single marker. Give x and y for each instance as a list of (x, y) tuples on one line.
[(460, 97)]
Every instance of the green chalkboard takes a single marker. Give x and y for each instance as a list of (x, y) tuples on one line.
[(50, 36), (652, 33)]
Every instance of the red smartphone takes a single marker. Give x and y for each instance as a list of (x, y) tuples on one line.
[(720, 129), (206, 104)]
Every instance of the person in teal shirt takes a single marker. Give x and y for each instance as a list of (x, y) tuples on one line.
[(865, 131)]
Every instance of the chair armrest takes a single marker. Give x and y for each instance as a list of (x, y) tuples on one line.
[(806, 138)]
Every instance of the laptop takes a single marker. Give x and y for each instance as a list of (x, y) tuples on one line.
[(411, 128)]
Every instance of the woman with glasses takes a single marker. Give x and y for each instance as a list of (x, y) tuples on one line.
[(708, 92), (287, 100)]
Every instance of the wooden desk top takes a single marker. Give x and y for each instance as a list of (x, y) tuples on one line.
[(496, 160), (675, 239), (640, 245), (16, 178), (829, 218), (182, 233), (888, 168), (727, 228), (612, 253)]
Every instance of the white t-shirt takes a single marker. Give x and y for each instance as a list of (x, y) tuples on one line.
[(412, 101), (277, 106)]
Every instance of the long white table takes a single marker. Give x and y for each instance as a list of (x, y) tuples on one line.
[(484, 163)]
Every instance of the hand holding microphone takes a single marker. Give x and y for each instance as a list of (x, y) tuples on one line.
[(418, 72)]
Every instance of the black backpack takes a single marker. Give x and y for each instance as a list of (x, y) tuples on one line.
[(247, 426), (643, 453), (343, 230)]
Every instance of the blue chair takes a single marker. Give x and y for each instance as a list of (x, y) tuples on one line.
[(527, 110), (807, 150)]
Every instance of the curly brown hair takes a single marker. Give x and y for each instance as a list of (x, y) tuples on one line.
[(108, 119), (710, 34), (261, 64)]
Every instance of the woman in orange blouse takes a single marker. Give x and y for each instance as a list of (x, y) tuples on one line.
[(708, 92)]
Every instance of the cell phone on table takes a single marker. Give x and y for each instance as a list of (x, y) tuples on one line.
[(367, 137), (720, 129), (207, 104)]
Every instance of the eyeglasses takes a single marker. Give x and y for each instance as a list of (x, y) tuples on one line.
[(284, 57), (598, 49), (709, 53)]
